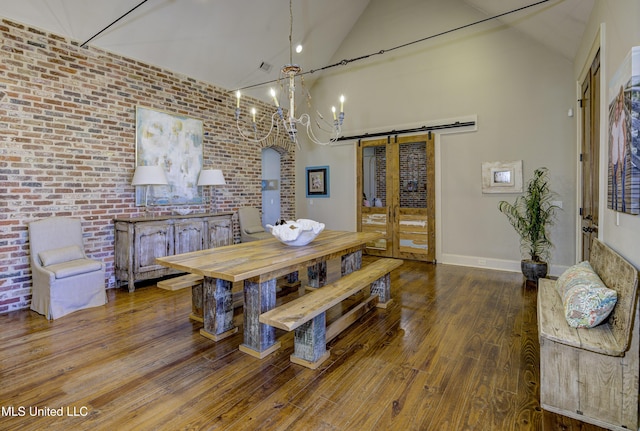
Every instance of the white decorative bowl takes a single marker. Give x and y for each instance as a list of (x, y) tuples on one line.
[(297, 233)]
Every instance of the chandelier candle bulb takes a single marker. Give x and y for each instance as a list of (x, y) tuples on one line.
[(342, 103), (238, 99), (253, 114), (275, 99), (293, 71), (333, 109)]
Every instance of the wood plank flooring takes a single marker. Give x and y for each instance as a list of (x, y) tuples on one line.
[(456, 350)]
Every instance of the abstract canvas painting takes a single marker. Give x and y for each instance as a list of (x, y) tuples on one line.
[(175, 143)]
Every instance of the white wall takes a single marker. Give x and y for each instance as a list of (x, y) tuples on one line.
[(519, 90), (615, 25)]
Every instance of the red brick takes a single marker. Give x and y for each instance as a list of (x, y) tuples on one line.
[(69, 120)]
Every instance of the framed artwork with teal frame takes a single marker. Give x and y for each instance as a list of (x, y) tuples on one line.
[(317, 181)]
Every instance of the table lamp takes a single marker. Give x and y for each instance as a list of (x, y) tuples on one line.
[(149, 176), (211, 177)]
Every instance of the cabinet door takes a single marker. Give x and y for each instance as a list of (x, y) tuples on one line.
[(189, 235), (220, 232), (152, 240), (122, 252)]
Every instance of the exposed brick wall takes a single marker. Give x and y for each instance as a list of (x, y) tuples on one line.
[(67, 144), (381, 175), (413, 175)]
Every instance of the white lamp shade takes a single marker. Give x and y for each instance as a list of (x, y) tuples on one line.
[(149, 176), (211, 177)]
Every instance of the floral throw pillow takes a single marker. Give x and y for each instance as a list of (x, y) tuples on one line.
[(581, 274), (587, 301), (586, 307)]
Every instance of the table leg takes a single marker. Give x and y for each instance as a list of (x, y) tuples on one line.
[(217, 304), (351, 262), (317, 274), (292, 279), (259, 339), (196, 302)]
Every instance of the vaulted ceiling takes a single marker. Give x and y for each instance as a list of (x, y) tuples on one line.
[(226, 42)]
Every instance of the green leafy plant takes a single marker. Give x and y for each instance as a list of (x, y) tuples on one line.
[(531, 214)]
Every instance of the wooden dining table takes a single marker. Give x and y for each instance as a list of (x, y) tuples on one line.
[(258, 264)]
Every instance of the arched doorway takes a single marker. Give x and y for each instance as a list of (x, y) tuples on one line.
[(270, 186)]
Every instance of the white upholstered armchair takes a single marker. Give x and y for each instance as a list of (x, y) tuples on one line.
[(63, 278)]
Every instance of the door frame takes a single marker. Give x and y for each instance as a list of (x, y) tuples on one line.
[(598, 44)]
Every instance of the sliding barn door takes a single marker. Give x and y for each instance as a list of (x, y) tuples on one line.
[(413, 199), (396, 180), (375, 209)]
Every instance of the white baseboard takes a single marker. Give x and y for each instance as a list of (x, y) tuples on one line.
[(488, 263)]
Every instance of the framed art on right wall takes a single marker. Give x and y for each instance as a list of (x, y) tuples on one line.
[(623, 186), (318, 182), (502, 177)]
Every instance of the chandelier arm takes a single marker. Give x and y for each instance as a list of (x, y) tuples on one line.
[(305, 120), (324, 125), (249, 138)]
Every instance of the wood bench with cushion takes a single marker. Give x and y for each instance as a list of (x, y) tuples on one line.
[(591, 373), (306, 315)]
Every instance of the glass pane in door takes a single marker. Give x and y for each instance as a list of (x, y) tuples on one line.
[(412, 225), (413, 175), (374, 194)]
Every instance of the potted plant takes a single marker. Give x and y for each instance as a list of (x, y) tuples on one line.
[(531, 215)]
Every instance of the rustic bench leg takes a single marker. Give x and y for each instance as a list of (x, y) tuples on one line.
[(196, 303), (351, 262), (217, 305), (317, 274), (309, 348), (259, 339), (382, 288)]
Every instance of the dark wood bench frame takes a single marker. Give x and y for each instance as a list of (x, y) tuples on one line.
[(306, 315)]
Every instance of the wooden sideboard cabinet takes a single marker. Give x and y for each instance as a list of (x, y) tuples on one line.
[(140, 240)]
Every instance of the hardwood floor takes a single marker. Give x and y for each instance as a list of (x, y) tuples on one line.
[(456, 350)]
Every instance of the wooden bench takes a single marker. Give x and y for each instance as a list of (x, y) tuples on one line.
[(593, 374), (306, 315), (193, 281), (177, 283)]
